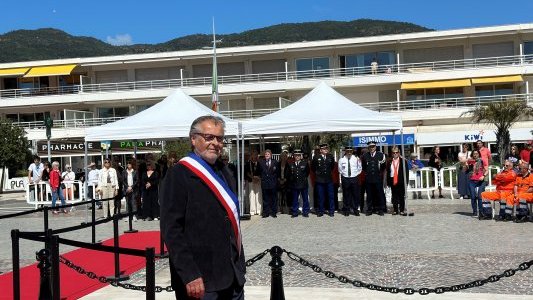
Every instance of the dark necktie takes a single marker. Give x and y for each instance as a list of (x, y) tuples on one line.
[(349, 169)]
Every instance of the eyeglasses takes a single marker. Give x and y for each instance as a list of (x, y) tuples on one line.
[(106, 162), (509, 166), (211, 137), (69, 168), (395, 152)]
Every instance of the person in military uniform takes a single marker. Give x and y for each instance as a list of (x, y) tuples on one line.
[(349, 170), (323, 165), (299, 172), (374, 165), (268, 168)]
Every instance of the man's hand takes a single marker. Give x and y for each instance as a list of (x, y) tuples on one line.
[(196, 288)]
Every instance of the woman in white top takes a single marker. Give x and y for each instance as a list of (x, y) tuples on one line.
[(68, 178), (462, 172)]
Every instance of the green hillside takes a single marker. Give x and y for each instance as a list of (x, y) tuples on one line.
[(49, 43)]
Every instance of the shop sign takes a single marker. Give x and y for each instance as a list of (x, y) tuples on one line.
[(361, 141)]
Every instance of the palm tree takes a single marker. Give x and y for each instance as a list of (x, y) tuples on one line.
[(503, 115)]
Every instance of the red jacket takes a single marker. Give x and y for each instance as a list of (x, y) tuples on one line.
[(55, 179)]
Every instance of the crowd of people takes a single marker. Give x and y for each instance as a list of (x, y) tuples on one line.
[(137, 184), (299, 184)]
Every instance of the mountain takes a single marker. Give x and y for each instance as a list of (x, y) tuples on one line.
[(49, 43)]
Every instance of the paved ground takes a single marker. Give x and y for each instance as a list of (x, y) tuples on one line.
[(440, 246)]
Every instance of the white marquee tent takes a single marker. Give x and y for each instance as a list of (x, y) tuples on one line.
[(170, 118), (322, 110)]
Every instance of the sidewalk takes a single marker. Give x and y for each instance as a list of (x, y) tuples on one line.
[(441, 245)]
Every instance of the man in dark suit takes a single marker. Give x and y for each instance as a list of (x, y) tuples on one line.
[(198, 223), (268, 168), (323, 165), (299, 172), (374, 165), (129, 177)]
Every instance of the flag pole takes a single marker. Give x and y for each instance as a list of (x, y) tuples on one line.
[(215, 100)]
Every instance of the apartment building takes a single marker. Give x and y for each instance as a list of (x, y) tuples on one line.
[(429, 78)]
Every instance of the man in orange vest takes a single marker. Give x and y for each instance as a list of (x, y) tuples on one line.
[(523, 193), (504, 182)]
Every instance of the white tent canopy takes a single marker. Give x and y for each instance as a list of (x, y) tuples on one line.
[(170, 118), (322, 110)]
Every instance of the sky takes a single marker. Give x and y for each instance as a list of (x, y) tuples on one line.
[(156, 21)]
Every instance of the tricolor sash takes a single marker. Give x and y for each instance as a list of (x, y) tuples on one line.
[(220, 189)]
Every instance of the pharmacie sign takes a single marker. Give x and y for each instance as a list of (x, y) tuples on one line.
[(361, 141), (66, 147), (78, 147)]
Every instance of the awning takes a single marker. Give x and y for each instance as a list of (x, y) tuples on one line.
[(498, 79), (435, 84), (13, 72), (50, 71)]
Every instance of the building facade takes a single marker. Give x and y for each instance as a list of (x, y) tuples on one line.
[(429, 78)]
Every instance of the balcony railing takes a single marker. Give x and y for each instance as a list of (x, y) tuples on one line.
[(73, 123), (382, 70), (404, 105)]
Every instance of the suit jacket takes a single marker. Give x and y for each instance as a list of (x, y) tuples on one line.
[(401, 182), (269, 175), (125, 181), (198, 233), (373, 166), (299, 174), (323, 167)]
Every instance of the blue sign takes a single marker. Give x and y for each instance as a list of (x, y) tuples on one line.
[(361, 141)]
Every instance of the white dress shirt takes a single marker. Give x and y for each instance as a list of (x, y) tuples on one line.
[(355, 166)]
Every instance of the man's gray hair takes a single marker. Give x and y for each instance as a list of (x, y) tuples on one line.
[(55, 163), (195, 126)]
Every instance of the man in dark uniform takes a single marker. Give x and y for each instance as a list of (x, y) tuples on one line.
[(349, 169), (322, 165), (268, 168), (373, 165), (299, 172)]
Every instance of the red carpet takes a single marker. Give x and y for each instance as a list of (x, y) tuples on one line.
[(75, 285)]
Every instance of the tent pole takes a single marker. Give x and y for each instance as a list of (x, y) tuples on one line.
[(241, 178), (135, 149), (86, 181), (404, 161), (239, 182)]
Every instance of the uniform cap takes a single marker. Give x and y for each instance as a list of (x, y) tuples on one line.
[(322, 146), (371, 143), (348, 148), (297, 152)]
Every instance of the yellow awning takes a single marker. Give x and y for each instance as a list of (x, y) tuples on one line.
[(498, 79), (50, 71), (435, 84), (13, 72)]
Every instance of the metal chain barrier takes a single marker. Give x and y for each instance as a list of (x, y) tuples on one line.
[(408, 291), (158, 289)]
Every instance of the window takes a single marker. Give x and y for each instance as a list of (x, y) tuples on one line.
[(494, 90), (111, 112), (311, 67), (358, 64)]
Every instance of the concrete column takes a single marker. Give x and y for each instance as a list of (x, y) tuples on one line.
[(249, 103)]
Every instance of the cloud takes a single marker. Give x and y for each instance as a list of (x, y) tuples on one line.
[(120, 40)]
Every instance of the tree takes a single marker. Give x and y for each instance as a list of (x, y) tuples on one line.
[(180, 147), (13, 147), (503, 115)]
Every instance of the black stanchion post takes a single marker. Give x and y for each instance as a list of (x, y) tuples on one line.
[(54, 252), (150, 273), (43, 256), (162, 253), (45, 221), (16, 263), (276, 288), (118, 276), (130, 219)]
